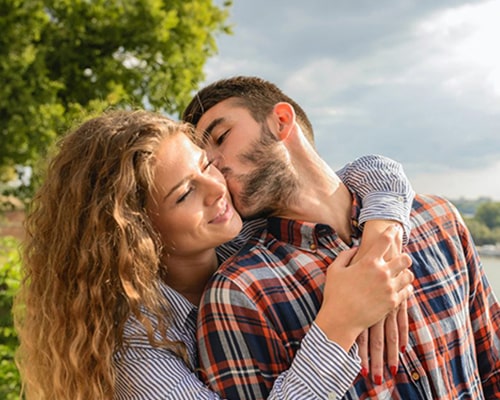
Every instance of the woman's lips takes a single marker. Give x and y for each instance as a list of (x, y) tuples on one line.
[(225, 214)]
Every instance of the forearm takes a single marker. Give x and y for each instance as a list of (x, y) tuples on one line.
[(384, 190), (371, 233)]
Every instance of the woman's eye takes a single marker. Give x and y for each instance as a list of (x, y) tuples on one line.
[(184, 196), (221, 138)]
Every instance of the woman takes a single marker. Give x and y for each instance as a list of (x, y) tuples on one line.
[(120, 243)]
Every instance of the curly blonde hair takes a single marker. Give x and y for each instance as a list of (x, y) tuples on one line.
[(91, 257)]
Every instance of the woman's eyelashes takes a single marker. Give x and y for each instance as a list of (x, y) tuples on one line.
[(185, 195), (206, 165)]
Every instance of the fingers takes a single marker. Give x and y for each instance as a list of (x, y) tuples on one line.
[(398, 264), (395, 329), (377, 352), (384, 340), (402, 320), (402, 282), (344, 258), (362, 341), (392, 333)]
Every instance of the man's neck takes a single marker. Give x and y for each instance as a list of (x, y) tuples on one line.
[(322, 197)]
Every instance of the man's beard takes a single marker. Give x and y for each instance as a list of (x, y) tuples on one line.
[(272, 185)]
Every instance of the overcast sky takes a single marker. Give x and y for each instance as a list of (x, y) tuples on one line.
[(414, 80)]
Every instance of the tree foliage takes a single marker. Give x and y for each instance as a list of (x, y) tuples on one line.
[(489, 214), (9, 282), (62, 59), (481, 234), (485, 224)]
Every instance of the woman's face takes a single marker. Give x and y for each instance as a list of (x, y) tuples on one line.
[(190, 205)]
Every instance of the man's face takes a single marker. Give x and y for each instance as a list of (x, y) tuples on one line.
[(250, 157)]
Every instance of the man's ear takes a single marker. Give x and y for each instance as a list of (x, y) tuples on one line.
[(285, 118)]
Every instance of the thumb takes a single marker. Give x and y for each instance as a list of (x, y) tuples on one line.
[(344, 258)]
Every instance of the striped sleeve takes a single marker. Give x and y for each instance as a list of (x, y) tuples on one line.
[(242, 357), (383, 188), (321, 370), (156, 374)]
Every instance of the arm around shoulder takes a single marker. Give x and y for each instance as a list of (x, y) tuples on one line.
[(384, 190)]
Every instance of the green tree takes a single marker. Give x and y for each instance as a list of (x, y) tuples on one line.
[(480, 232), (9, 282), (468, 207), (489, 214), (62, 59), (496, 235)]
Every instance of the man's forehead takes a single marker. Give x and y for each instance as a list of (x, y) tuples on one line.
[(219, 113)]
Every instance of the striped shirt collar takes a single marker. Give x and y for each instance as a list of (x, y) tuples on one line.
[(183, 319), (184, 313)]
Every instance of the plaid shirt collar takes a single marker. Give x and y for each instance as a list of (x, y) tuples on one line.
[(305, 235)]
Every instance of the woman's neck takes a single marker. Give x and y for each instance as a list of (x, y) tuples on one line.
[(188, 274)]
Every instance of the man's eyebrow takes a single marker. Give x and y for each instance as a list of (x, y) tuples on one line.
[(208, 132)]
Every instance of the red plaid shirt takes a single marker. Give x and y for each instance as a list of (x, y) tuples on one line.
[(260, 304)]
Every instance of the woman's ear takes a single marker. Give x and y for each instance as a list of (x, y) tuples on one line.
[(285, 115)]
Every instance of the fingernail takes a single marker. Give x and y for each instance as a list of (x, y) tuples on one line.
[(364, 372), (403, 349), (394, 370), (378, 380)]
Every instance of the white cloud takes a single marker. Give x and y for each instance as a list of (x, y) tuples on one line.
[(458, 183), (416, 81), (464, 45)]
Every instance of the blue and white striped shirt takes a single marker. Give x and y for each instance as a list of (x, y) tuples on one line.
[(145, 372), (320, 369)]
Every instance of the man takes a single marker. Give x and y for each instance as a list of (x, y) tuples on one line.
[(262, 301)]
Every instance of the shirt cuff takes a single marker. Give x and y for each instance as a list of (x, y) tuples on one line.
[(387, 206), (324, 366)]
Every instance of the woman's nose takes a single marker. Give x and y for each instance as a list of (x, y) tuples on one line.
[(215, 155), (215, 189)]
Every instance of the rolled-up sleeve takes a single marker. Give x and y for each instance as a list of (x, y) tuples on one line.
[(384, 190)]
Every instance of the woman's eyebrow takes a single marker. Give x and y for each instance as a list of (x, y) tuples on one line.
[(186, 178)]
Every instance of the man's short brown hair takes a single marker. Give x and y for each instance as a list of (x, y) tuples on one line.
[(257, 95)]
